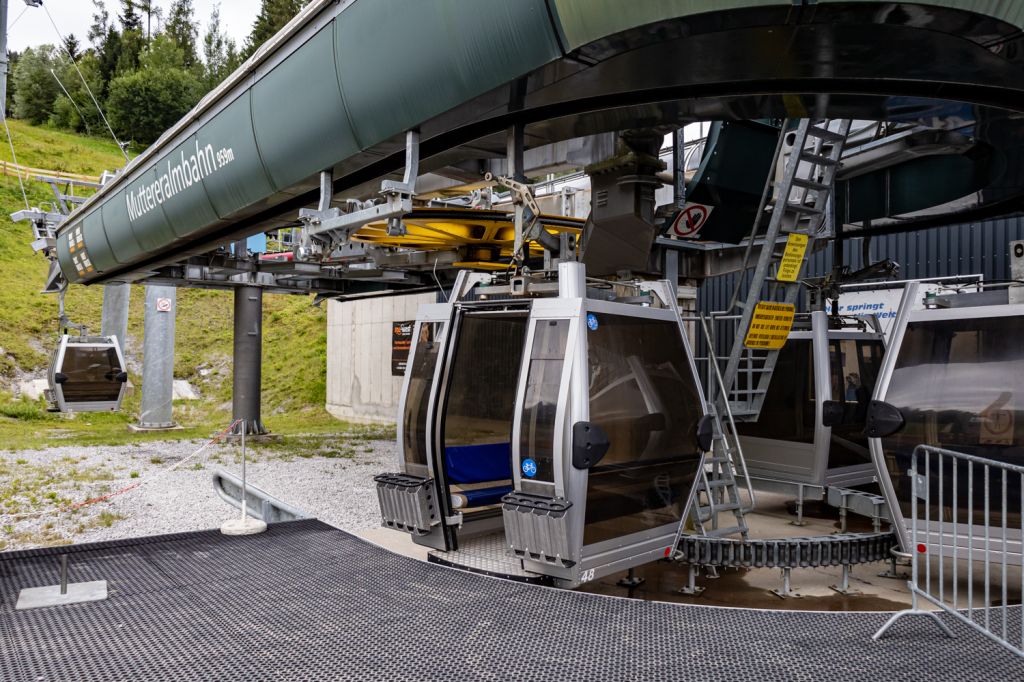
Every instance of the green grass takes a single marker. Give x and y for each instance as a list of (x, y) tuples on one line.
[(294, 344)]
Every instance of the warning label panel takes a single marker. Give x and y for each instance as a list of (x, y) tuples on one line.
[(770, 325), (792, 257)]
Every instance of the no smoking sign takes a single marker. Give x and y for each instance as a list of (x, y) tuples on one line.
[(163, 305)]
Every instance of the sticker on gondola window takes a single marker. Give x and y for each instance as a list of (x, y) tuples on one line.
[(592, 322), (529, 468)]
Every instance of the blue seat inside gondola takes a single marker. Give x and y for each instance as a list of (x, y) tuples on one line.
[(469, 464)]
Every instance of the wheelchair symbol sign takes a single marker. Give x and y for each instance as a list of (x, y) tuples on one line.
[(529, 468)]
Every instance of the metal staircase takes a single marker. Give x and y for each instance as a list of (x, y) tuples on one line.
[(718, 489), (801, 202), (800, 207)]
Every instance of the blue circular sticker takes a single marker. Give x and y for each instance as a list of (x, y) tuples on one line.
[(592, 322), (529, 468)]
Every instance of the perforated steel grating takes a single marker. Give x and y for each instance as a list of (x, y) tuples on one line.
[(305, 601)]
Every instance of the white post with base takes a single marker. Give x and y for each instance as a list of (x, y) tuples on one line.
[(244, 525), (64, 593)]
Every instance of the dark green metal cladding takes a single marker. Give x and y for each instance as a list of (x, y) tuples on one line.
[(436, 57), (912, 186), (118, 229), (736, 160), (340, 91), (298, 114), (195, 208), (242, 180), (584, 21)]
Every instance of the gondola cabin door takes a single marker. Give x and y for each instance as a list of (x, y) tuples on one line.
[(605, 451)]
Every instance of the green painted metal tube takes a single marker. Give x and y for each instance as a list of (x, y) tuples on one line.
[(339, 85)]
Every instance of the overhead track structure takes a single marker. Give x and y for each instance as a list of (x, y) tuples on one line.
[(322, 97)]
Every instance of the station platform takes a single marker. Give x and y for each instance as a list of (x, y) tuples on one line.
[(307, 601)]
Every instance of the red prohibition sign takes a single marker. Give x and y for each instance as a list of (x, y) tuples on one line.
[(689, 221)]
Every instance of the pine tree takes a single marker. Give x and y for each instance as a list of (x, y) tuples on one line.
[(35, 87), (130, 20), (71, 46), (184, 31), (273, 16), (219, 52), (100, 24)]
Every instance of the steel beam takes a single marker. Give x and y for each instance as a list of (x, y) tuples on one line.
[(248, 359), (158, 358), (116, 299)]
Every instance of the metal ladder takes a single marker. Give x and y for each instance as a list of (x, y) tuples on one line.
[(811, 168), (718, 490)]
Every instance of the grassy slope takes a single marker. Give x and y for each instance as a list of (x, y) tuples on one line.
[(294, 341)]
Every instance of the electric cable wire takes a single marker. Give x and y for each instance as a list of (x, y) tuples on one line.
[(74, 63), (14, 157), (20, 15), (72, 100)]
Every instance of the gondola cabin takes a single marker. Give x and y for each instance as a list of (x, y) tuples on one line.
[(548, 431), (86, 374), (954, 378), (811, 428)]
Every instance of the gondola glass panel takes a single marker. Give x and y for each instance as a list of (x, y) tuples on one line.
[(854, 366), (643, 394), (421, 378), (87, 375), (477, 426), (958, 384), (540, 401), (91, 375), (788, 413)]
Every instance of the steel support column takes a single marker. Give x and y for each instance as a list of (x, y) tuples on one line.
[(116, 298), (248, 359), (158, 358)]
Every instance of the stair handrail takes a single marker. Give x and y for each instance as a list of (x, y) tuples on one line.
[(723, 398)]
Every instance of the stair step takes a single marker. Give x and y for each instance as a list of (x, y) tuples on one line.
[(731, 506), (722, 532), (825, 134), (716, 460), (817, 159), (719, 483), (804, 210), (810, 184)]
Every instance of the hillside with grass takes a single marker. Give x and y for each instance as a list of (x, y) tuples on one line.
[(295, 335)]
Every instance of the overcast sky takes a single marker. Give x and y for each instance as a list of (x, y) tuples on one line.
[(75, 16)]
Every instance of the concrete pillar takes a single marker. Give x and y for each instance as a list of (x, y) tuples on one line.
[(248, 359), (116, 298), (158, 358)]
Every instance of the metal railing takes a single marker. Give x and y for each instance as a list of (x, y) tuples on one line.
[(956, 524)]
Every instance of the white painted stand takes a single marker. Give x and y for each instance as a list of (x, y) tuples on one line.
[(244, 525), (64, 593)]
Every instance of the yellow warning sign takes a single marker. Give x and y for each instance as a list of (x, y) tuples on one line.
[(770, 325), (792, 257)]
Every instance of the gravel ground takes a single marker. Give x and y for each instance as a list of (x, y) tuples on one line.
[(338, 489)]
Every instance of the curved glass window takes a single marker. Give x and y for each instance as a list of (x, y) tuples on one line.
[(788, 409), (421, 377), (854, 365), (643, 394), (540, 402), (480, 404), (959, 384), (91, 373)]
